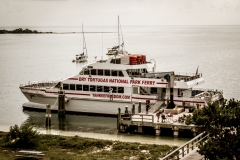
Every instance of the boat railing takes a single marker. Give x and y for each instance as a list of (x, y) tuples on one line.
[(42, 84), (208, 90), (187, 74), (183, 150)]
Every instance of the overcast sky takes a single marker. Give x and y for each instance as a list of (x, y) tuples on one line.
[(131, 12)]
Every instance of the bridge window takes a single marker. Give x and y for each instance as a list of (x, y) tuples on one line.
[(93, 72), (107, 72), (86, 71)]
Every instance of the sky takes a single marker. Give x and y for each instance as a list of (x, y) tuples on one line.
[(131, 12)]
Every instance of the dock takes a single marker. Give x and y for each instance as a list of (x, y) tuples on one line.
[(141, 121)]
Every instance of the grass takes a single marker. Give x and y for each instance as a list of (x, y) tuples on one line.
[(57, 147)]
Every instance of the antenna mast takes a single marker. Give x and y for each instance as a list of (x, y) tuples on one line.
[(118, 35)]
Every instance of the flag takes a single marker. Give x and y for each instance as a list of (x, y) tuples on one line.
[(196, 72)]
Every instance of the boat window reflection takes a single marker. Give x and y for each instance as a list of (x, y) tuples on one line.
[(85, 87), (107, 72), (79, 87), (100, 72), (72, 87), (93, 88)]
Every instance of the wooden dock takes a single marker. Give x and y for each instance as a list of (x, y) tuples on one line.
[(135, 122)]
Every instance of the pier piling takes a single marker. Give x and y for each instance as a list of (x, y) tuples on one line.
[(48, 116), (133, 108), (139, 107), (118, 119), (175, 132), (61, 103), (126, 109)]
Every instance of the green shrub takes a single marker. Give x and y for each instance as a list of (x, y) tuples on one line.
[(23, 137)]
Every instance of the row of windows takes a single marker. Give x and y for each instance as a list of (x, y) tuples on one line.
[(92, 88), (102, 72)]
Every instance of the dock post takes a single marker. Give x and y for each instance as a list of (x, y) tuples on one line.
[(119, 119), (133, 108), (126, 109), (61, 103), (139, 107), (140, 129), (197, 106), (48, 116), (157, 131), (183, 104), (175, 132)]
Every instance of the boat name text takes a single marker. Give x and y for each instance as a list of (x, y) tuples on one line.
[(114, 80), (114, 96)]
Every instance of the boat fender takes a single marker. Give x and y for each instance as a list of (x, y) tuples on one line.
[(66, 99)]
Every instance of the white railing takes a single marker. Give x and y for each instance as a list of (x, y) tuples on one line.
[(40, 84), (183, 150)]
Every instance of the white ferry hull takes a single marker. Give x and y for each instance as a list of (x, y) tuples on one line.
[(81, 106)]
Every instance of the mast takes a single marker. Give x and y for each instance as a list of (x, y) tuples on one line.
[(83, 37), (84, 43), (118, 35)]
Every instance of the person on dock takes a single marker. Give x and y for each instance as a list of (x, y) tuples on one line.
[(111, 94), (163, 116), (159, 112)]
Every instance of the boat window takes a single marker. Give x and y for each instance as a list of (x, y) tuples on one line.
[(114, 89), (93, 72), (120, 90), (135, 90), (58, 85), (114, 73), (85, 87), (100, 72), (129, 72), (93, 88), (72, 86), (107, 72), (120, 74), (99, 88), (106, 88), (79, 87), (86, 71), (65, 86), (153, 90)]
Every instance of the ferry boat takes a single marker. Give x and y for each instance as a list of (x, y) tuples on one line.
[(82, 57), (131, 79)]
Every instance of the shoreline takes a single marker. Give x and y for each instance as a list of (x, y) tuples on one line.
[(28, 31)]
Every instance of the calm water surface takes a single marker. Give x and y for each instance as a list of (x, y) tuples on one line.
[(41, 57)]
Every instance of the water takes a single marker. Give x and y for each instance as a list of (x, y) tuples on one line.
[(36, 57)]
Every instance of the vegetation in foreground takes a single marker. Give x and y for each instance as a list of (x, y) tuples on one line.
[(62, 147), (221, 122)]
